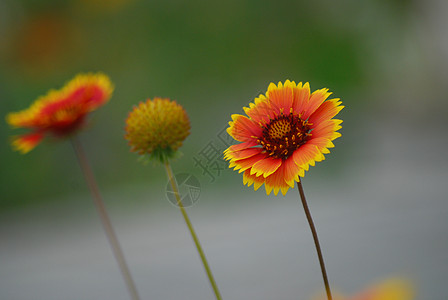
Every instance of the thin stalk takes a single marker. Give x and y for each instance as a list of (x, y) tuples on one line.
[(104, 217), (316, 239), (192, 232)]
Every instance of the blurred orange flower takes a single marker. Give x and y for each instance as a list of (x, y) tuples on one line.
[(104, 5), (389, 289), (285, 132), (60, 112)]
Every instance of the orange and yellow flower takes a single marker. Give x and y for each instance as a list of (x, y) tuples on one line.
[(389, 289), (60, 112), (285, 131), (157, 127)]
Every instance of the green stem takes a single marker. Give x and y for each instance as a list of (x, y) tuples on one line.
[(192, 232), (316, 239), (104, 217)]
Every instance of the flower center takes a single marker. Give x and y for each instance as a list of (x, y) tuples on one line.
[(279, 128), (284, 134)]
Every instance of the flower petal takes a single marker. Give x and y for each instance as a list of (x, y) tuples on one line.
[(326, 111), (301, 97), (242, 154), (240, 146), (322, 144), (307, 155), (24, 119), (292, 171), (266, 166), (276, 182), (316, 99), (327, 129), (246, 163), (281, 96), (26, 143), (260, 112), (252, 179), (243, 129)]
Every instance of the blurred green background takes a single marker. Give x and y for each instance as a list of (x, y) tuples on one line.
[(386, 60)]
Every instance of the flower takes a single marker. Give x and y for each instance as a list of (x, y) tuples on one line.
[(60, 112), (388, 289), (104, 6), (285, 132), (157, 127)]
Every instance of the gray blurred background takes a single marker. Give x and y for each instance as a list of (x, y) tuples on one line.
[(379, 199)]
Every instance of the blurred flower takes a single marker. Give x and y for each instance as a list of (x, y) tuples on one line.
[(287, 130), (104, 5), (60, 112), (44, 42), (390, 289), (157, 127)]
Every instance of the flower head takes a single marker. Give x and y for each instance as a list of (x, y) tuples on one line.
[(60, 112), (285, 132), (157, 127), (388, 289)]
